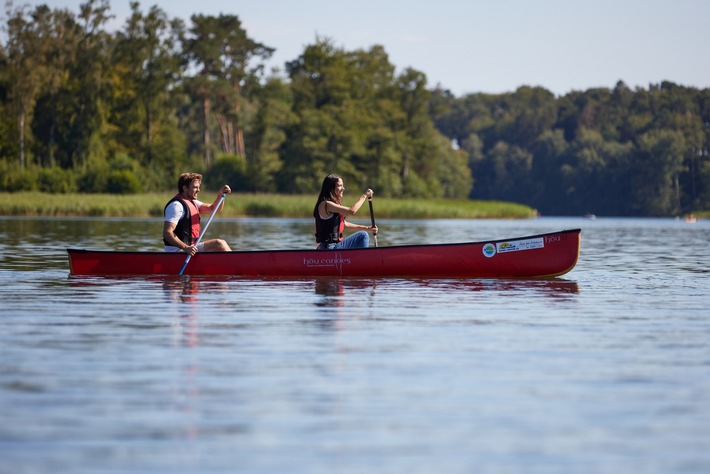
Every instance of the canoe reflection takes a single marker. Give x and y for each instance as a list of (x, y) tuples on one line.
[(554, 287), (335, 289)]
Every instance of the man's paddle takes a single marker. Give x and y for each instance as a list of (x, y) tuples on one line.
[(202, 234), (372, 218)]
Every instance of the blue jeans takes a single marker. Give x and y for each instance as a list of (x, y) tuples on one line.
[(360, 239)]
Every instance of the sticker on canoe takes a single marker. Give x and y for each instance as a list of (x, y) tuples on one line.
[(489, 250), (516, 245)]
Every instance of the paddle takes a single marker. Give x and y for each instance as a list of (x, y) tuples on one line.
[(372, 218), (202, 234)]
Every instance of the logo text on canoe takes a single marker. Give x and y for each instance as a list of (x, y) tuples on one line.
[(335, 261)]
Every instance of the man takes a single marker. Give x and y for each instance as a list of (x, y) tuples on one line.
[(181, 227)]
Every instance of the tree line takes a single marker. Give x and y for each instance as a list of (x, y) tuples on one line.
[(624, 152), (83, 109)]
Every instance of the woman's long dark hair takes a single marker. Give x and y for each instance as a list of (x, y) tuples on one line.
[(327, 190)]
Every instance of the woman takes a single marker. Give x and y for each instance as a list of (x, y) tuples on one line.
[(330, 215)]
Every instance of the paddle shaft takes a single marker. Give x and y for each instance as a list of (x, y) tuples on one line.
[(202, 234), (372, 218)]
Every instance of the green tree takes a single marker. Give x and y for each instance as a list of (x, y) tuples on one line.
[(325, 134), (147, 66), (267, 135), (699, 169), (659, 163), (82, 103), (356, 118), (599, 175), (504, 173), (521, 117), (147, 75), (222, 53), (29, 52)]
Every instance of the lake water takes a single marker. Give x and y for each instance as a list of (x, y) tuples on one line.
[(603, 370)]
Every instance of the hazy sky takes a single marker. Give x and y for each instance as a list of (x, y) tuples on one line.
[(482, 46)]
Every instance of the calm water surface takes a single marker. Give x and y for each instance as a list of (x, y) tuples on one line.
[(604, 370)]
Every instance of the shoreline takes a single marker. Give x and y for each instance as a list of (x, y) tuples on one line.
[(35, 204)]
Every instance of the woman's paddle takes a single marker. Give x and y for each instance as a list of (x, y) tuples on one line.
[(202, 234), (372, 218)]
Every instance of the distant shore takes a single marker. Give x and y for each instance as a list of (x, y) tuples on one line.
[(251, 205)]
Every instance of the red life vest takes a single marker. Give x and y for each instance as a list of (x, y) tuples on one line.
[(188, 227)]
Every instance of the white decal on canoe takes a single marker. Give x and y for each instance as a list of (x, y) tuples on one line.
[(489, 250), (515, 245)]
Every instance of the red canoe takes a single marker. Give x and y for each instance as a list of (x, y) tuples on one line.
[(542, 255)]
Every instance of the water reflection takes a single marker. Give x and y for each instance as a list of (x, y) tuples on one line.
[(386, 299), (335, 290), (181, 289), (553, 288), (185, 322)]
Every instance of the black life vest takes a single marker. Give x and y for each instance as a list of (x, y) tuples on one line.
[(329, 230)]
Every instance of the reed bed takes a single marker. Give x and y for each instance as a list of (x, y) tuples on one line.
[(251, 205)]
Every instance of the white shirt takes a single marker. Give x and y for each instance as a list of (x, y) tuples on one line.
[(174, 212)]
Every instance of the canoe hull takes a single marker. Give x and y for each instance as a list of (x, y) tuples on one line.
[(543, 255)]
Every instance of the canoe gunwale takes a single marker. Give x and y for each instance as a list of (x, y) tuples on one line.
[(368, 249)]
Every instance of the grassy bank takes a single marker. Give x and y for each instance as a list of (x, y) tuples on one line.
[(254, 205)]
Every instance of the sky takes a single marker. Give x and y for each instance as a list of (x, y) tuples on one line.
[(489, 46)]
